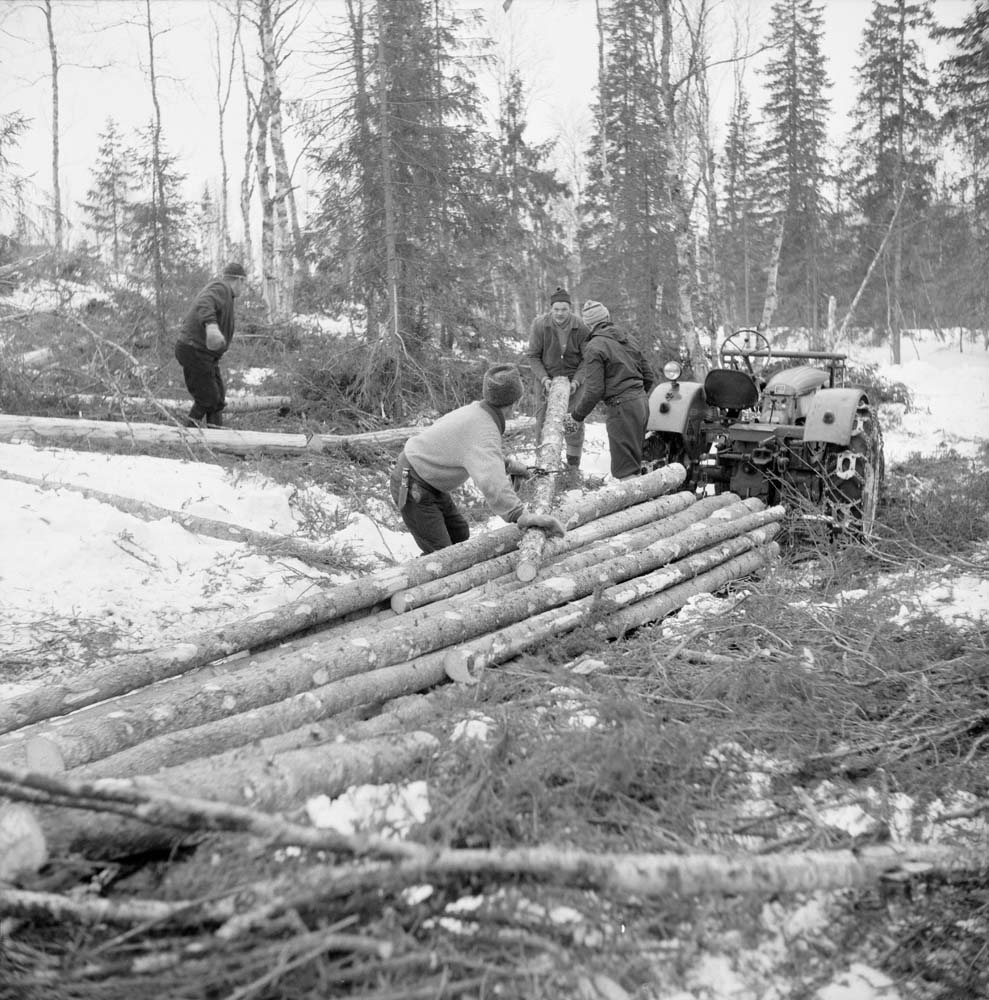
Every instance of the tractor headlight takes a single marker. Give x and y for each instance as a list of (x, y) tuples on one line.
[(672, 370)]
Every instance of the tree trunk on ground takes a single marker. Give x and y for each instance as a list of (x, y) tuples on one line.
[(463, 662), (16, 428), (234, 404), (128, 673), (269, 784), (482, 572), (284, 546), (296, 715), (550, 458)]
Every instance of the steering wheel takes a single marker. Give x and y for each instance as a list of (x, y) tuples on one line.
[(752, 343)]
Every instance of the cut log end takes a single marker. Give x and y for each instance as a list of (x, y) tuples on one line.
[(526, 571), (400, 602), (459, 665)]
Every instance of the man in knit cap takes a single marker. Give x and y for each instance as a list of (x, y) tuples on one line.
[(556, 342), (617, 372), (204, 338), (464, 444)]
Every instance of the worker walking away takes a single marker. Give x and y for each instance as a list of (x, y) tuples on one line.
[(205, 337), (556, 341), (617, 372), (464, 444)]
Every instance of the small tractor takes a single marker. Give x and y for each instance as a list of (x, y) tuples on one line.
[(799, 437)]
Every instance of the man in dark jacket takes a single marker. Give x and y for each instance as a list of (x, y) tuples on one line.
[(464, 444), (616, 371), (555, 342), (204, 338)]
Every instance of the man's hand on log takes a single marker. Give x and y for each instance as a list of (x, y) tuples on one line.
[(553, 527), (517, 469), (547, 384)]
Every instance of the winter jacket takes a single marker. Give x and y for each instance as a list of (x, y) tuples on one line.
[(614, 369), (214, 304), (546, 359), (466, 444)]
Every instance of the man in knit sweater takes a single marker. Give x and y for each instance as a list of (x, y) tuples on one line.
[(204, 338), (464, 444), (556, 341)]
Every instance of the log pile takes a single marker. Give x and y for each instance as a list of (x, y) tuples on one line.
[(197, 717)]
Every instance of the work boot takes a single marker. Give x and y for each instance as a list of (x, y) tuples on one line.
[(214, 418)]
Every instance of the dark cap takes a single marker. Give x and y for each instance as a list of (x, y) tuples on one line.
[(560, 295), (502, 385), (234, 270)]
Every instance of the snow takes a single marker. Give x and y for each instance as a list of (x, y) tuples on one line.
[(78, 575)]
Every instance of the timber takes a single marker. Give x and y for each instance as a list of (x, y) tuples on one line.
[(58, 429), (233, 404), (265, 783), (533, 541), (129, 672), (625, 606), (286, 546)]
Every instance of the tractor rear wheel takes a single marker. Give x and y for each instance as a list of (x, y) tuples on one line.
[(852, 475)]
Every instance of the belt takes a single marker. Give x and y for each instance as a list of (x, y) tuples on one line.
[(625, 397), (404, 464)]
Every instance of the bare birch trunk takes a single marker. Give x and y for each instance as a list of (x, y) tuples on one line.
[(246, 188), (391, 250), (772, 274), (234, 404), (57, 218)]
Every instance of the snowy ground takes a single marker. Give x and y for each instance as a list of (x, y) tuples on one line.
[(78, 575), (74, 570)]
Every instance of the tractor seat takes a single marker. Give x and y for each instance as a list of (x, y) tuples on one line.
[(730, 390)]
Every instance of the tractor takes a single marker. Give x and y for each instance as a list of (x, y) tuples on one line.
[(795, 435)]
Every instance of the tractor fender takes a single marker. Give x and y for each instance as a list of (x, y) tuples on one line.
[(831, 415), (672, 405)]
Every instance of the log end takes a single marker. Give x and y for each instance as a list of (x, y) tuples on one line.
[(458, 664), (526, 570), (399, 602), (43, 756)]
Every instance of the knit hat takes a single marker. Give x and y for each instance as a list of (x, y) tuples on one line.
[(560, 295), (502, 385), (594, 313), (234, 270)]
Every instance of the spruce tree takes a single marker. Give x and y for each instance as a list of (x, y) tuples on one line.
[(794, 158), (893, 168), (108, 199)]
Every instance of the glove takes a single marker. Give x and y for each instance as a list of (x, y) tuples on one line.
[(570, 424), (214, 339), (547, 384), (546, 522), (574, 386), (516, 468)]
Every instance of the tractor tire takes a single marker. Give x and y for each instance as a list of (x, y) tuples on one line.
[(853, 476)]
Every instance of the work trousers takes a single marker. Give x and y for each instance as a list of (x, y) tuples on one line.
[(626, 427), (432, 517), (202, 375)]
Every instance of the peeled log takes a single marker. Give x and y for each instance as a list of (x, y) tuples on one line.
[(625, 603), (550, 458), (604, 527), (128, 673), (268, 783)]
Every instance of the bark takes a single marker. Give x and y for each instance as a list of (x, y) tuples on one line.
[(388, 198), (772, 275), (465, 661), (533, 542), (267, 724), (127, 673), (35, 359), (250, 121), (15, 428), (234, 404), (58, 219), (157, 183), (268, 784), (491, 569)]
